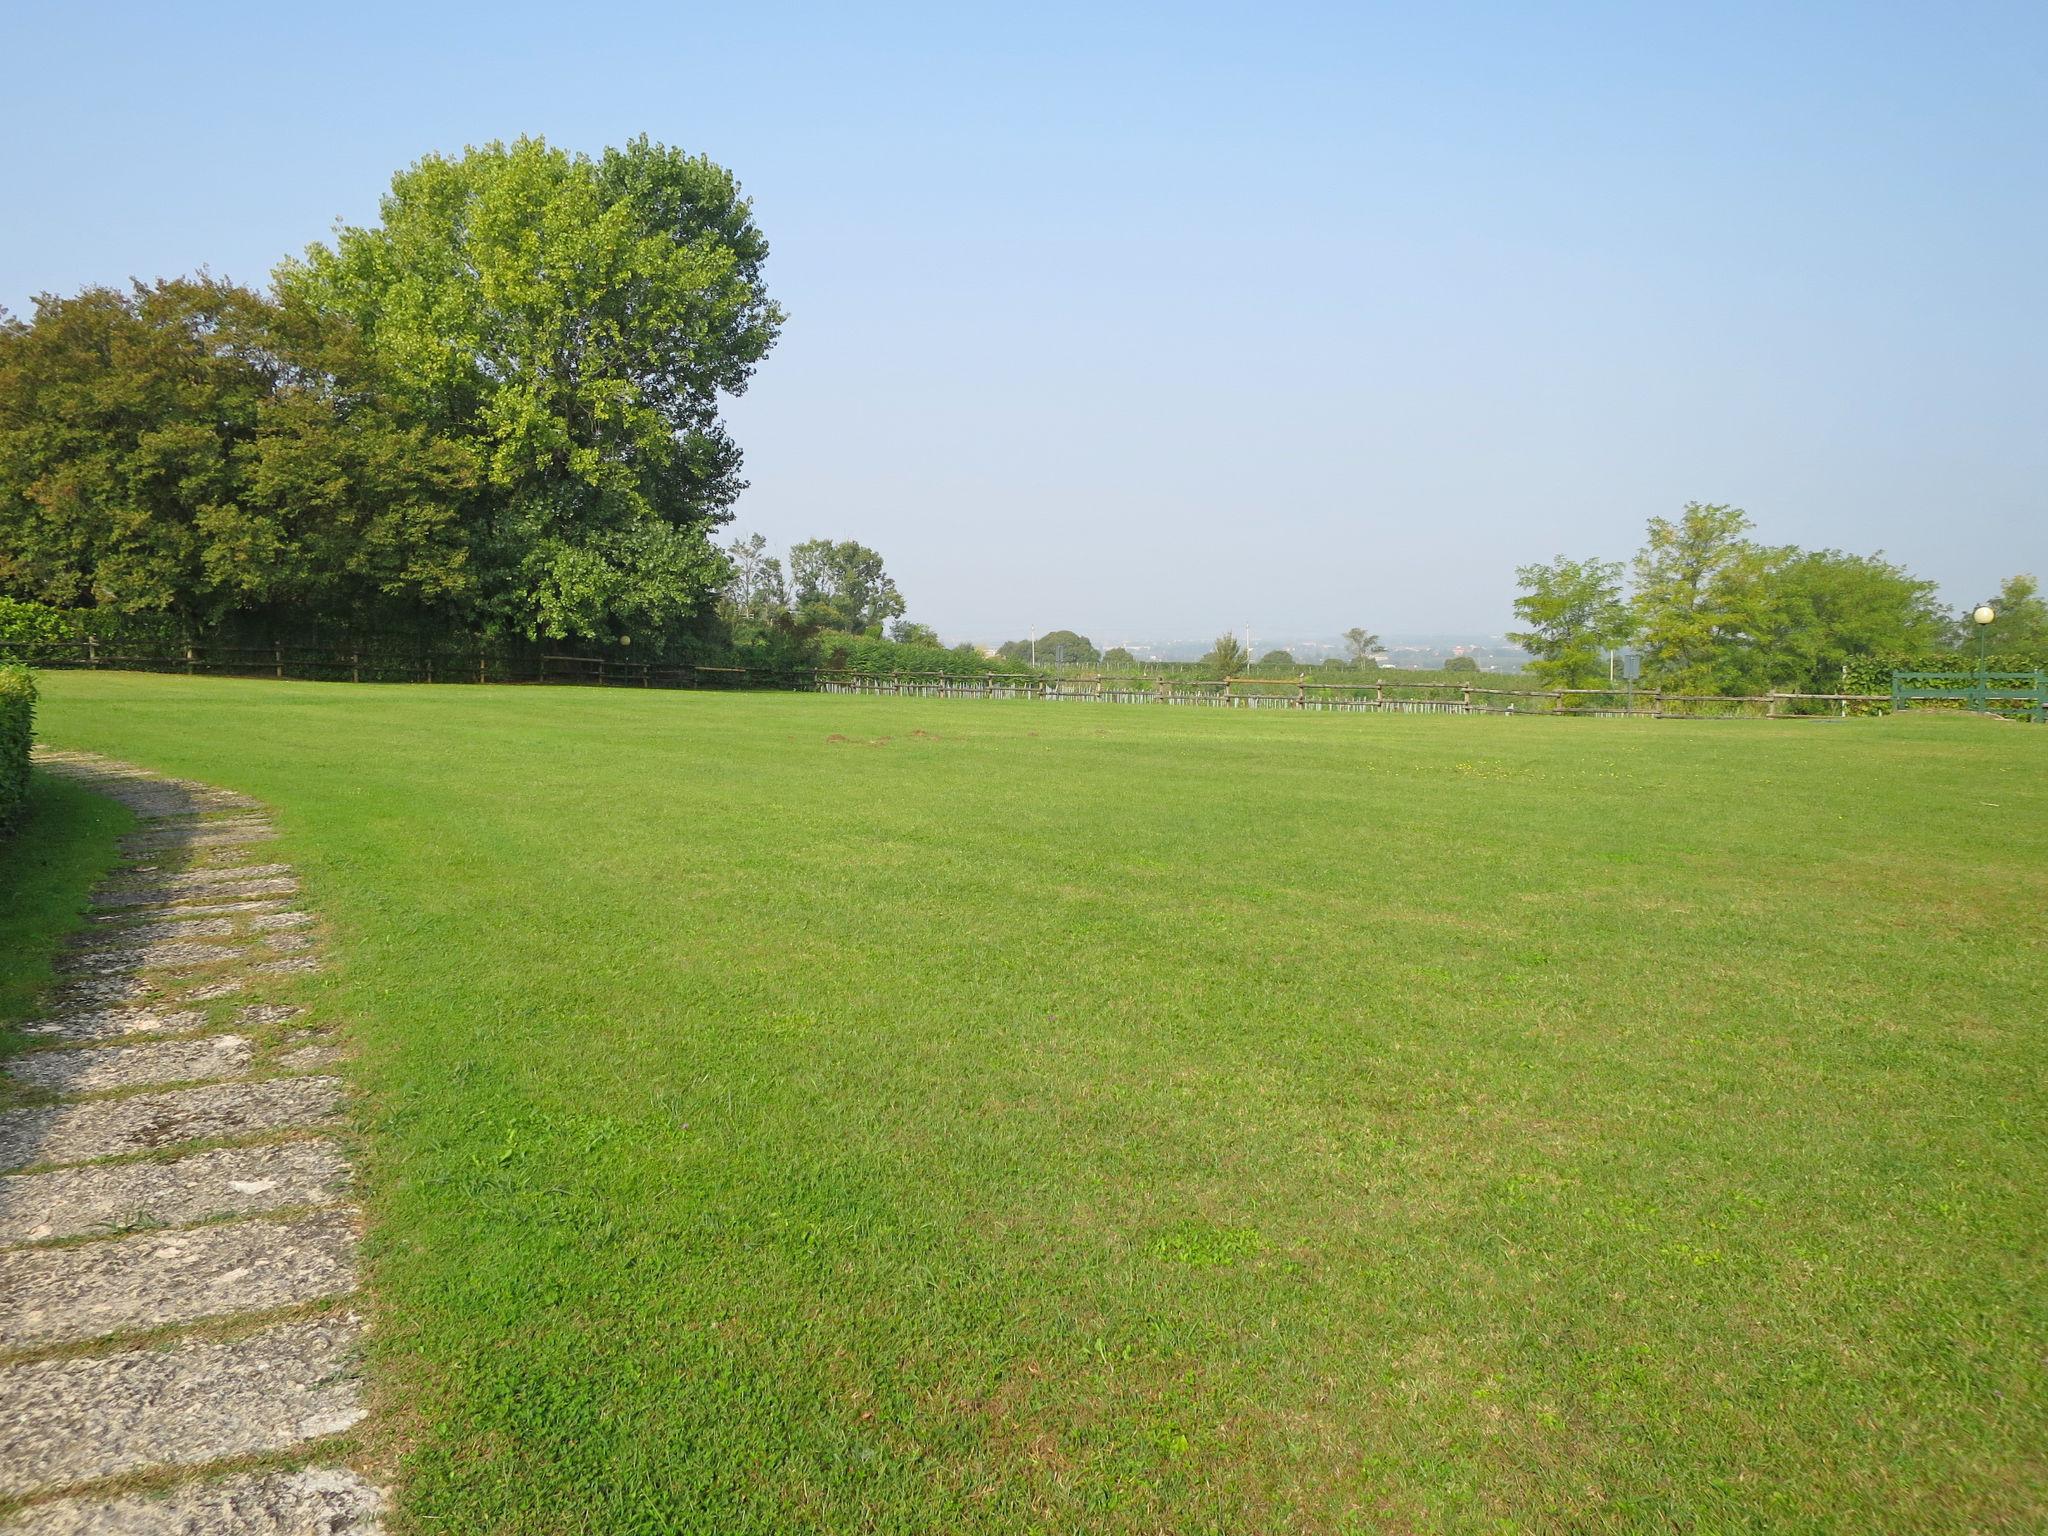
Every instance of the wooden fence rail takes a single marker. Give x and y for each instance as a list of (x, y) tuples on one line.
[(1388, 693), (1383, 695)]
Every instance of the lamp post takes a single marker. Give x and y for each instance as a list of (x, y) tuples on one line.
[(1983, 618)]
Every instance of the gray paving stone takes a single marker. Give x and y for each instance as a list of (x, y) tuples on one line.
[(256, 1014), (97, 1069), (157, 842), (162, 928), (228, 1181), (291, 965), (288, 941), (312, 1501), (227, 986), (114, 1023), (274, 922), (178, 911), (79, 1133), (169, 955), (68, 1421), (245, 880), (154, 1279), (309, 1058)]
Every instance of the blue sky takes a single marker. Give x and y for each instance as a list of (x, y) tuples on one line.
[(1154, 320)]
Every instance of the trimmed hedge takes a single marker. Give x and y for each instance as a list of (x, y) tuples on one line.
[(17, 726)]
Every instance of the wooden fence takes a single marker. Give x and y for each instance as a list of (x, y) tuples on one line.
[(1388, 695), (375, 663)]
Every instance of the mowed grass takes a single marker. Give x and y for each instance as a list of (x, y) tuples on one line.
[(802, 1114)]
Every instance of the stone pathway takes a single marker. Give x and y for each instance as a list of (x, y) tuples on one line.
[(177, 1252)]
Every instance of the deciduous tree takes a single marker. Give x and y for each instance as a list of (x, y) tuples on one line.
[(1574, 612), (842, 585)]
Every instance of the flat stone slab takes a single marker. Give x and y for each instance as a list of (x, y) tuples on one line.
[(289, 966), (245, 880), (98, 1069), (169, 955), (170, 842), (178, 911), (93, 1024), (163, 928), (256, 1014), (274, 922), (70, 1421), (157, 1279), (228, 1181), (79, 1133), (309, 1058), (313, 1501)]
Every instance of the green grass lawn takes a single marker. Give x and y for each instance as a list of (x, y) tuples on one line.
[(818, 1114)]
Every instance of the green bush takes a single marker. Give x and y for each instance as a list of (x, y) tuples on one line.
[(17, 727), (31, 632)]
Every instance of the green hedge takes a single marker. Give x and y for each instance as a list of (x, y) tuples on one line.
[(17, 726)]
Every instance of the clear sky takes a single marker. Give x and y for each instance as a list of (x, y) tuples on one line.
[(1150, 321)]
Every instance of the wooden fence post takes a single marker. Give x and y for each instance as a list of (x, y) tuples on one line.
[(355, 666), (277, 657), (188, 658), (92, 654)]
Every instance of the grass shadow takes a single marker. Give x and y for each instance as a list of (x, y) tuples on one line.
[(66, 842)]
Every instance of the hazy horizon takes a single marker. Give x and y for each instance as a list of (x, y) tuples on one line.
[(1170, 320)]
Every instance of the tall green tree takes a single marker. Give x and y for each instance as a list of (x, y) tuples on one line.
[(1701, 599), (756, 589), (1361, 645), (1813, 611), (1574, 612), (575, 324), (842, 585), (2021, 627)]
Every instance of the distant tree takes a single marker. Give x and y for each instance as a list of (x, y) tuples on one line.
[(1117, 656), (756, 589), (904, 632), (1361, 645), (1461, 664), (1065, 648), (1574, 612), (1226, 656), (842, 585), (1277, 659), (2022, 623)]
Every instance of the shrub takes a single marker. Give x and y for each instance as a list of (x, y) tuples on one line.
[(17, 727), (30, 632)]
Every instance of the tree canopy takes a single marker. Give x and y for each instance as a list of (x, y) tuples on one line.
[(497, 408), (842, 585), (1574, 612)]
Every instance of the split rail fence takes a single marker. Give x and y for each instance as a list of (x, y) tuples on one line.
[(1385, 696), (1388, 694)]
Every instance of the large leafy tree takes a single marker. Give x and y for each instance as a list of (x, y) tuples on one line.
[(193, 448), (842, 585), (1816, 610), (574, 323), (1360, 645), (1574, 613), (1701, 599)]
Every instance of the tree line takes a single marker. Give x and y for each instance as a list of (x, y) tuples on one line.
[(495, 411), (1710, 610)]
